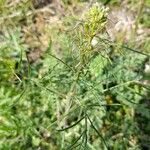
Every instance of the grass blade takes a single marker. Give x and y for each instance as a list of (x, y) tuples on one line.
[(74, 143), (72, 125), (97, 131), (133, 50)]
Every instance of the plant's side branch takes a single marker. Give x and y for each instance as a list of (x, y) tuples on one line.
[(71, 93), (48, 89)]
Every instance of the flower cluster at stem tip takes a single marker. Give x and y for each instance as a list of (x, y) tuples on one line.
[(94, 22)]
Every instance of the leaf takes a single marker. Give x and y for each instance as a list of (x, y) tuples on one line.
[(97, 65)]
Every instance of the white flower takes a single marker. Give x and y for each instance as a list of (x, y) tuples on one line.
[(94, 41), (147, 68)]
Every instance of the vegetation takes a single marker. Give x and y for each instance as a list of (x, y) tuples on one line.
[(74, 74)]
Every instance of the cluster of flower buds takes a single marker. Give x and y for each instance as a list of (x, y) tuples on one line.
[(95, 19)]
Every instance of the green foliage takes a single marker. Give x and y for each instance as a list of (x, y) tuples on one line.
[(88, 96)]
